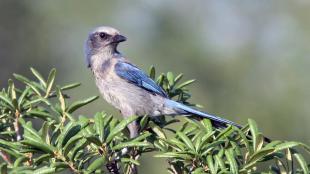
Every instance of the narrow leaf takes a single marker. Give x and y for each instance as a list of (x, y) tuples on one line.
[(122, 125), (186, 83), (70, 86), (50, 81), (130, 144), (152, 72), (39, 76), (186, 140), (170, 78), (302, 162), (99, 162), (76, 105), (232, 161)]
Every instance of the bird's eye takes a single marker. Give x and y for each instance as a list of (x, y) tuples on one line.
[(102, 35)]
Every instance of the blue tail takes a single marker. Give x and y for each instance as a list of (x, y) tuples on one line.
[(183, 109)]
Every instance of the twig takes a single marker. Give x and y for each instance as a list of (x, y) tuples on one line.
[(5, 157), (16, 126), (69, 163), (133, 169), (112, 167)]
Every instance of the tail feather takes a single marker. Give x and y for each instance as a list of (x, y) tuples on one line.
[(179, 107)]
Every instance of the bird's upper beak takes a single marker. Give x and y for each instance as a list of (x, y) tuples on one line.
[(119, 38)]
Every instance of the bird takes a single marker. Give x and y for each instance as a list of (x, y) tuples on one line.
[(127, 87)]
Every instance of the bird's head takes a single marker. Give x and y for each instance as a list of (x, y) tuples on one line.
[(103, 40)]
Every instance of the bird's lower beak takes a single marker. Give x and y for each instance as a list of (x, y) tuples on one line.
[(119, 38)]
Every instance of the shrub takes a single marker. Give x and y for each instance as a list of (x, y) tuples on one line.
[(62, 142)]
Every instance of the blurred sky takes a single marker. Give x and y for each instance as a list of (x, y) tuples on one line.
[(250, 58)]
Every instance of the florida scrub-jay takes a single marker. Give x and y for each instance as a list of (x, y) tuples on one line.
[(127, 87)]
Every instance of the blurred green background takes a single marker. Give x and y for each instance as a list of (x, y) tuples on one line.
[(251, 59)]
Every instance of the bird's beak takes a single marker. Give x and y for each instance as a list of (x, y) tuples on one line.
[(119, 38)]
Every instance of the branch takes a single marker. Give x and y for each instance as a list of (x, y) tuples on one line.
[(16, 126), (5, 157), (112, 167)]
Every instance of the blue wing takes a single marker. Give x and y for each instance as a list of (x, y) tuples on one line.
[(137, 77)]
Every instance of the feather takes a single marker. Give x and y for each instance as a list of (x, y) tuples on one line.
[(137, 77)]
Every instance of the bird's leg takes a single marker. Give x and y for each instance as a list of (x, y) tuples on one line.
[(133, 129), (133, 132)]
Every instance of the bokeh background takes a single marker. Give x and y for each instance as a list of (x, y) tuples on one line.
[(251, 59)]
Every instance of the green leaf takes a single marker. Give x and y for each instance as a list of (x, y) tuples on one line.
[(36, 102), (245, 140), (13, 94), (198, 170), (6, 100), (22, 96), (225, 133), (61, 100), (39, 76), (8, 143), (178, 78), (160, 146), (302, 162), (198, 143), (60, 165), (160, 79), (207, 124), (70, 144), (152, 72), (29, 130), (45, 170), (143, 122), (232, 161), (99, 162), (211, 164), (45, 131), (94, 139), (170, 78), (186, 140), (50, 82), (208, 147), (259, 141), (99, 125), (38, 144), (68, 133), (273, 143), (142, 136), (12, 152), (130, 160), (28, 82), (40, 114), (20, 160), (220, 161), (176, 144), (174, 155), (130, 144), (184, 84), (119, 128), (21, 78), (286, 145), (258, 155), (40, 159), (3, 168), (254, 133), (158, 131), (80, 145), (70, 86), (76, 105)]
